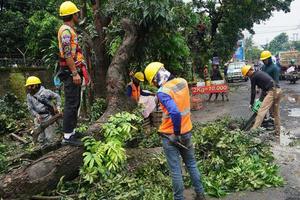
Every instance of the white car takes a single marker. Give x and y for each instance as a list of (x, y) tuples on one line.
[(234, 72)]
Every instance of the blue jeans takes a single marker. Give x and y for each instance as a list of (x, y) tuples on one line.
[(173, 153)]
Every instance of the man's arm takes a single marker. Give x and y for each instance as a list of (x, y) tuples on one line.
[(30, 108), (276, 74), (171, 107), (253, 91), (143, 93), (55, 96), (67, 50)]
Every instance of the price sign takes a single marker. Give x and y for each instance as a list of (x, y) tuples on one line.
[(210, 89)]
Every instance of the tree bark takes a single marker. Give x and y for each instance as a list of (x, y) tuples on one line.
[(101, 58), (44, 174)]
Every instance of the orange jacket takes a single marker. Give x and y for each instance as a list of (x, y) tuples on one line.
[(75, 48), (136, 92), (178, 90)]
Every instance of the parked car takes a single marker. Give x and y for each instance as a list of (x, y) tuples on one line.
[(234, 72)]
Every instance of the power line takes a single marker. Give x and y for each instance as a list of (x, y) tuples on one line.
[(277, 31)]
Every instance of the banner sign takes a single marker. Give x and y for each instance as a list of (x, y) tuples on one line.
[(210, 89)]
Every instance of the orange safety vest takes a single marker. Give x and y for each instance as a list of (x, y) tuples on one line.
[(75, 48), (178, 90), (136, 92)]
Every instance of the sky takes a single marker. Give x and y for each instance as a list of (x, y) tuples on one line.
[(278, 23)]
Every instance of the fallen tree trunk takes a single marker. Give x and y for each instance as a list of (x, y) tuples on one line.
[(44, 173)]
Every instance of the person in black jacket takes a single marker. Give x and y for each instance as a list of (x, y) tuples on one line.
[(270, 95)]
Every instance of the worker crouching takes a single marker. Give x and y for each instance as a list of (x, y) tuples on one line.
[(176, 126), (40, 104)]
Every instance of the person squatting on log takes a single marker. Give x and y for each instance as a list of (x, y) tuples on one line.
[(270, 95), (39, 102), (73, 71), (176, 127)]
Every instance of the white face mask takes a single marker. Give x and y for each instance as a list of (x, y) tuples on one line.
[(162, 76)]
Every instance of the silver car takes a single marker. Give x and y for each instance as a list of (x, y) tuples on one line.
[(234, 72)]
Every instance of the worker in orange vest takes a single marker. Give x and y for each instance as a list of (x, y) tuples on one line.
[(175, 129), (72, 72), (134, 89)]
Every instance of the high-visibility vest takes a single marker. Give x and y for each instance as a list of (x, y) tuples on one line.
[(75, 48), (178, 90), (135, 92)]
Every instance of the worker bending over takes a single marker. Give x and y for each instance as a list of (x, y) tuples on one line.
[(270, 95)]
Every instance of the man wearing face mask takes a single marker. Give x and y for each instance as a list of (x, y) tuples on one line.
[(40, 105), (175, 129), (72, 72)]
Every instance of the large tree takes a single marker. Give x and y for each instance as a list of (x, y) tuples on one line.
[(252, 52), (227, 20), (279, 43)]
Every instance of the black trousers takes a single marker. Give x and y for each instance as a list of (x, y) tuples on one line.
[(72, 102)]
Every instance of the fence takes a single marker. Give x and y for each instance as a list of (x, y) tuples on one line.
[(20, 62)]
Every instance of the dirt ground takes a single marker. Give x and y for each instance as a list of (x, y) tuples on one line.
[(287, 157)]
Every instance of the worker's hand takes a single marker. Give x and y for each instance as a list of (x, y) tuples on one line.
[(174, 138), (131, 73), (39, 118), (250, 107), (77, 79), (57, 110)]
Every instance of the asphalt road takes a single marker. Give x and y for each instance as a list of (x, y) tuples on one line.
[(288, 158)]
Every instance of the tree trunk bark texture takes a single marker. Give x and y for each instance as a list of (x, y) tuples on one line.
[(44, 173)]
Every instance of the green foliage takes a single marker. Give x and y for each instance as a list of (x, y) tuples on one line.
[(98, 108), (105, 158), (232, 161), (11, 110), (42, 27), (252, 52), (16, 83), (114, 45), (227, 20), (279, 43), (150, 181), (12, 25), (3, 162), (161, 28)]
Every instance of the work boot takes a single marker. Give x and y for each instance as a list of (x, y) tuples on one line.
[(79, 135), (73, 141), (200, 196)]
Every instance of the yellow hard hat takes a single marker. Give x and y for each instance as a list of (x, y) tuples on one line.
[(151, 70), (67, 8), (139, 76), (245, 69), (32, 80), (265, 55)]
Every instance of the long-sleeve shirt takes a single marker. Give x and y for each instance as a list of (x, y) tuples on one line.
[(171, 107), (261, 79), (129, 91), (274, 71), (36, 108)]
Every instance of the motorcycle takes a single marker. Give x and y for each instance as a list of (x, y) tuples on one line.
[(292, 77)]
